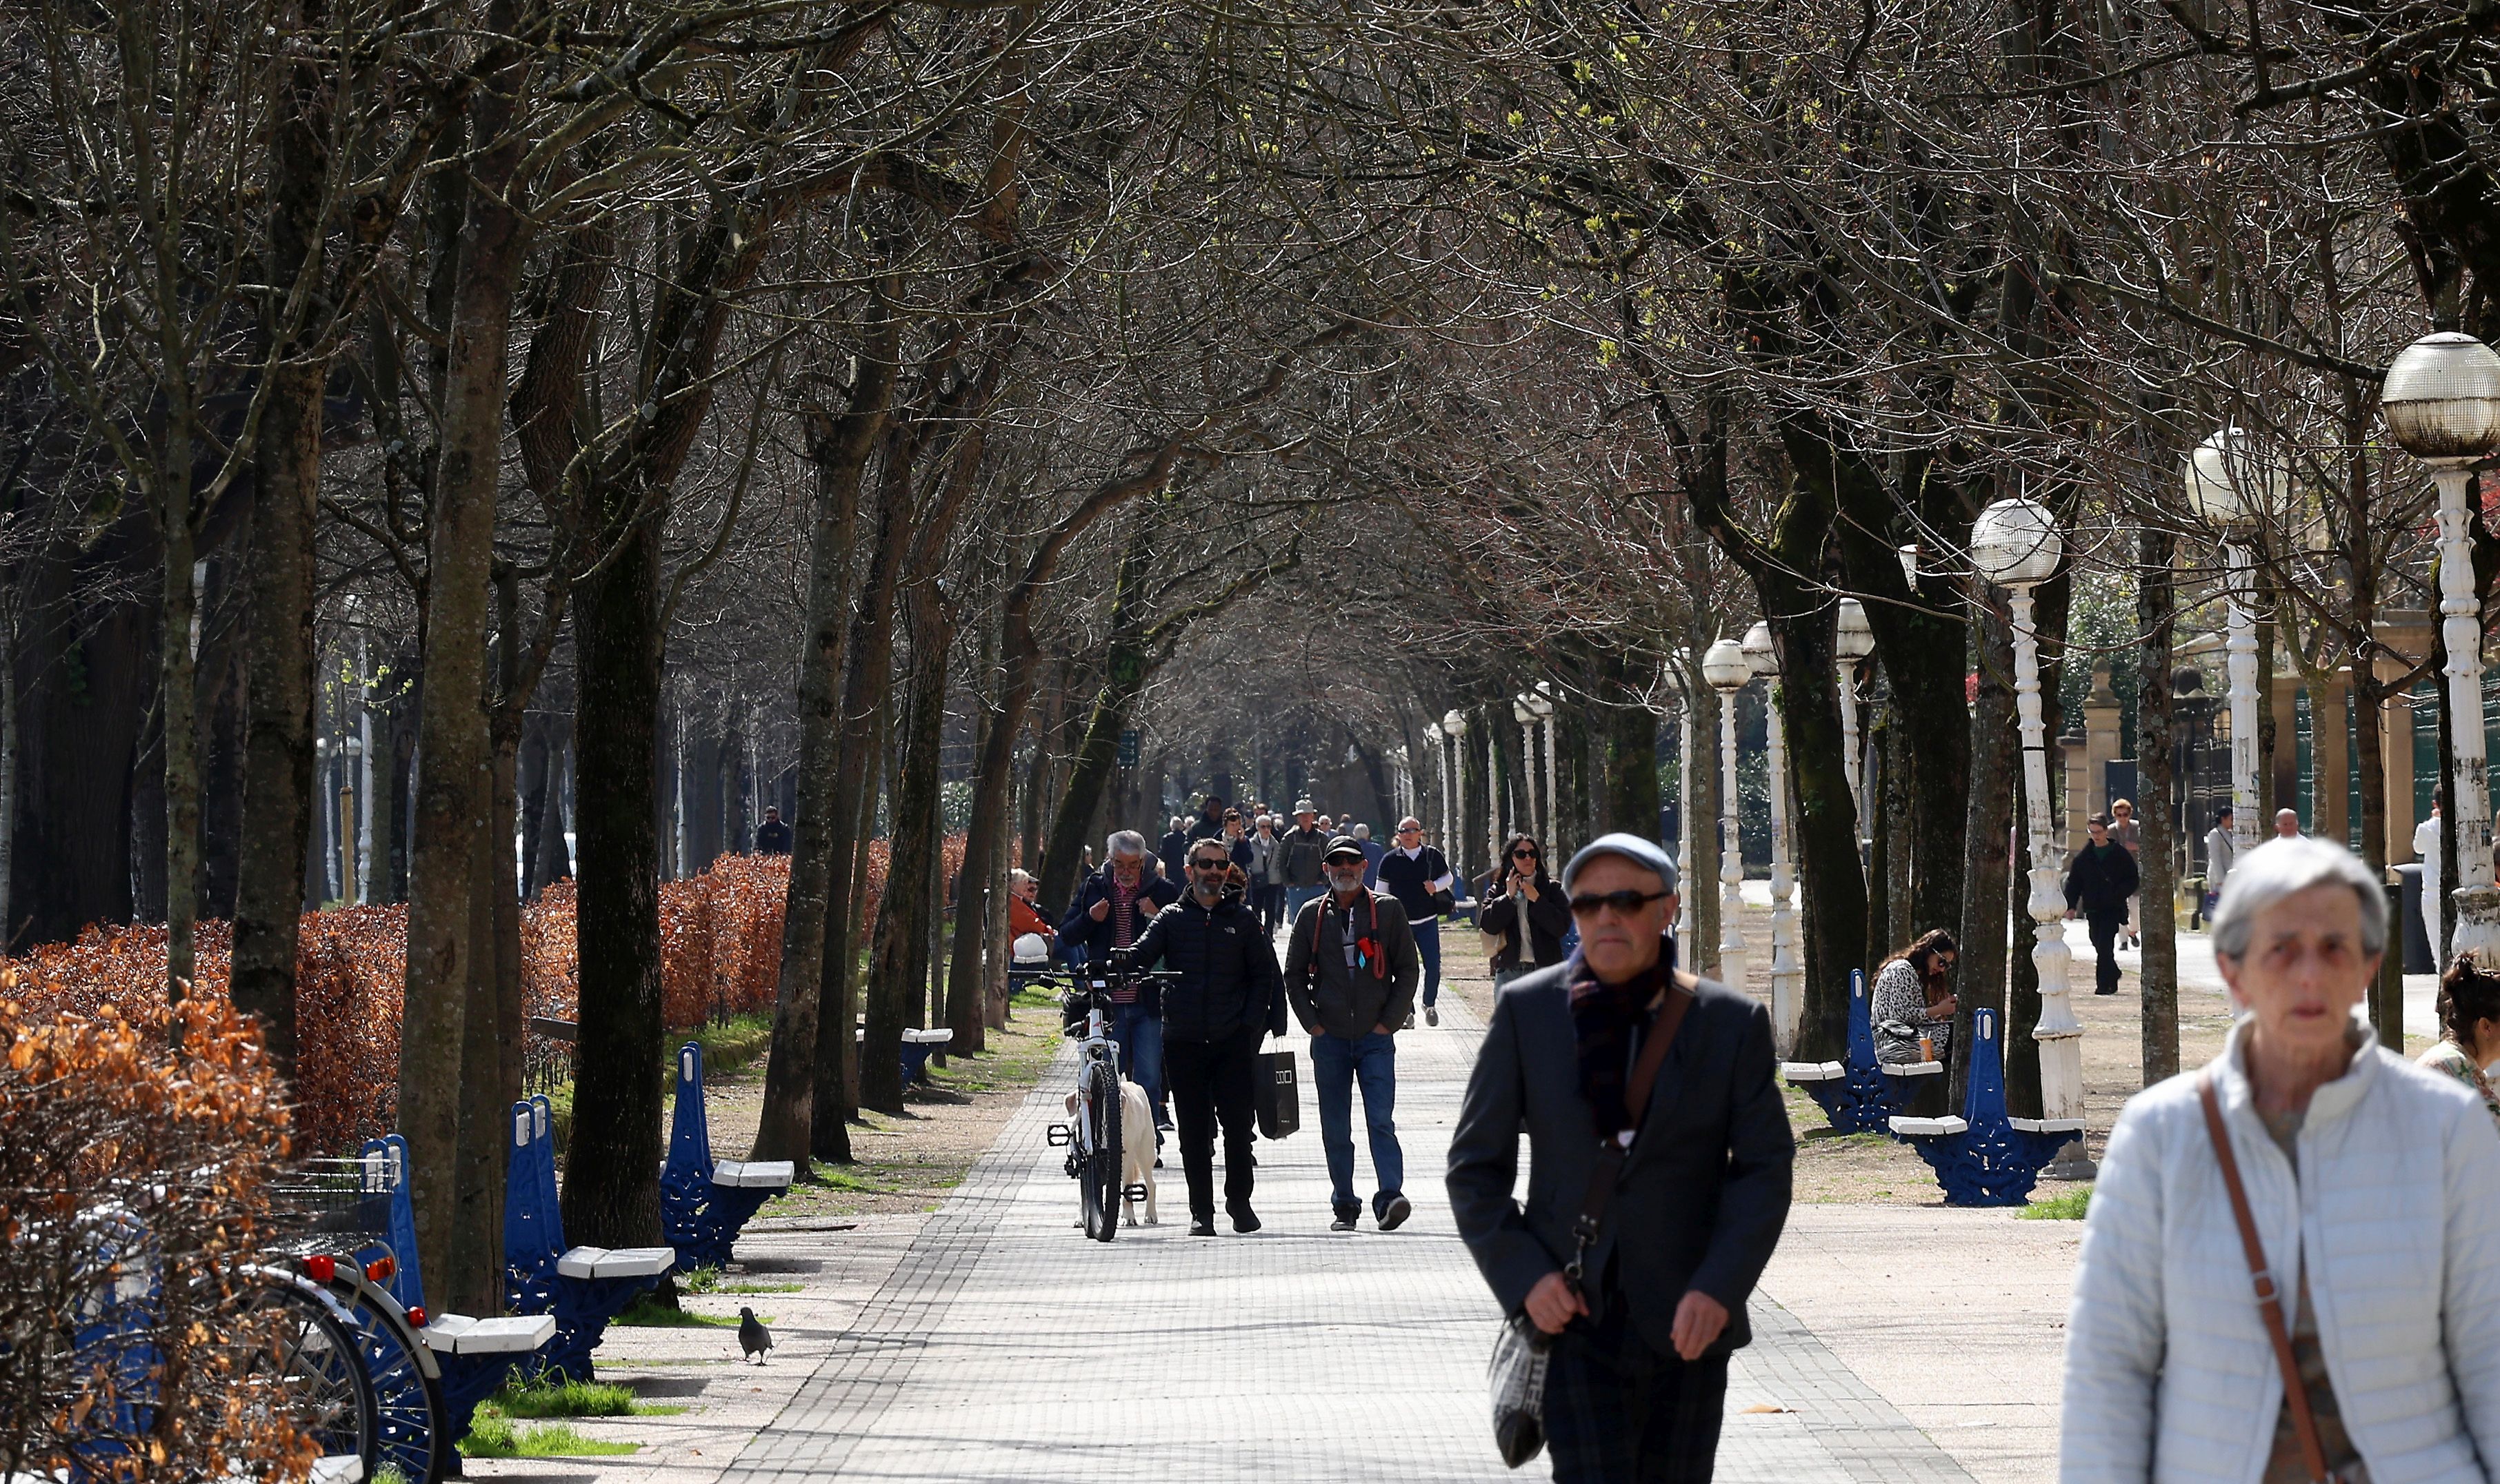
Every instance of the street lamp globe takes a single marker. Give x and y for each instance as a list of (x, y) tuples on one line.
[(2441, 398), (1723, 666), (1521, 711), (1540, 700), (1854, 638), (1759, 654), (1432, 733), (2230, 481), (2015, 544), (1453, 723)]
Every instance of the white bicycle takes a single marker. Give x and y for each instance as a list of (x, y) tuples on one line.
[(1091, 1132)]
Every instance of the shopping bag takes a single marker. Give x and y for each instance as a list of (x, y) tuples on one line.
[(1279, 1094)]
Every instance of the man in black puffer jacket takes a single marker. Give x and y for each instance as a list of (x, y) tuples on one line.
[(1229, 997)]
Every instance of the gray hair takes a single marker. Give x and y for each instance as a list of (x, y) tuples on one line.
[(1125, 843), (2286, 866), (1362, 832)]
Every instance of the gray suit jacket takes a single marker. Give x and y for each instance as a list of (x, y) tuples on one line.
[(1704, 1191)]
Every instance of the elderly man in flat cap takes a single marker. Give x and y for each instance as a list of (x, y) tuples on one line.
[(1662, 1159)]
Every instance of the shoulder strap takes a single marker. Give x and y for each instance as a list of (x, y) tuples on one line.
[(2296, 1395), (1611, 1152)]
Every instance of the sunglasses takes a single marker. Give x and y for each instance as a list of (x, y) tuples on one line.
[(1624, 903), (1211, 863), (1523, 855)]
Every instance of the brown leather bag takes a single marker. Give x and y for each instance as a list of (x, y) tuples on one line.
[(2296, 1395)]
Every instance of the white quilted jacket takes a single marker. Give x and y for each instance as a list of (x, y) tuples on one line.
[(2169, 1375)]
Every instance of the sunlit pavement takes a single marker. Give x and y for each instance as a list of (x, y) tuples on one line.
[(1004, 1346)]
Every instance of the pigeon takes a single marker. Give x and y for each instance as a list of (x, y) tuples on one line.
[(753, 1338)]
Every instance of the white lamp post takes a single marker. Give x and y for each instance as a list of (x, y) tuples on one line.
[(2442, 402), (2014, 544), (1440, 766), (1724, 667), (1454, 726), (1684, 818), (1541, 708), (1853, 639), (1525, 716), (2230, 483), (1786, 1006)]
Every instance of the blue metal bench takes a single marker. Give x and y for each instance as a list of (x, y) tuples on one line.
[(705, 1203), (1854, 1095), (472, 1357), (917, 1047), (582, 1287), (1984, 1157)]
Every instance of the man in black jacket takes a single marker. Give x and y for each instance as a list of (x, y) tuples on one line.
[(1653, 1303), (1230, 996), (2098, 881)]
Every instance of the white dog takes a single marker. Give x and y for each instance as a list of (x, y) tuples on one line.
[(1136, 1150)]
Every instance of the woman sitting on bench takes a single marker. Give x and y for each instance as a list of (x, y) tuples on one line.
[(1913, 1000)]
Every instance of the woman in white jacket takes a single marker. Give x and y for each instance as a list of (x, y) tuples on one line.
[(2373, 1190)]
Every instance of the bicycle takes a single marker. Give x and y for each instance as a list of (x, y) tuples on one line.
[(1092, 1133)]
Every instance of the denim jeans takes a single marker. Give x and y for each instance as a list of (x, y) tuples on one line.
[(1296, 896), (1140, 1030), (1269, 899), (1337, 1063), (1428, 947)]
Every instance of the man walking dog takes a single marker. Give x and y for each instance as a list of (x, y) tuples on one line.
[(1350, 971), (1663, 1161)]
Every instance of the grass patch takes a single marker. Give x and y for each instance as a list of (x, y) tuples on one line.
[(734, 1043), (2065, 1205), (541, 1395), (492, 1434), (709, 1280)]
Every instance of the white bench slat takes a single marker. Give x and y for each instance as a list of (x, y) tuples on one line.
[(2047, 1125), (1902, 1123), (618, 1263), (937, 1038), (336, 1469), (461, 1334), (770, 1174), (1813, 1072), (1911, 1069)]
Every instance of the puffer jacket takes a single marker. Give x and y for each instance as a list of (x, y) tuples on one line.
[(2395, 1211), (1228, 982)]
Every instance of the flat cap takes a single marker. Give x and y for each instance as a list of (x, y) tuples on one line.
[(1647, 854)]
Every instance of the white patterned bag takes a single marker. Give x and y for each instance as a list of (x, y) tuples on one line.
[(1517, 1373)]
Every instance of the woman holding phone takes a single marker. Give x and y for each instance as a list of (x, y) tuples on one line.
[(1525, 911)]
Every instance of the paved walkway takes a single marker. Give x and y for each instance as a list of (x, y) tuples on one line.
[(1004, 1346)]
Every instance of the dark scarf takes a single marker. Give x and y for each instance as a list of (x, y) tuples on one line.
[(1604, 1019)]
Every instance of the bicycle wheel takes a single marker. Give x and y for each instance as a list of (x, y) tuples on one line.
[(410, 1418), (305, 1371), (1102, 1165)]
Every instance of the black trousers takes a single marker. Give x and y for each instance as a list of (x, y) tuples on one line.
[(2105, 926), (1619, 1412), (1214, 1081)]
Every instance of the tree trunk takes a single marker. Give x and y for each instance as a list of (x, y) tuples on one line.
[(1996, 753), (1823, 827), (967, 998), (611, 1189), (454, 775), (899, 963), (179, 733), (2155, 617), (819, 855)]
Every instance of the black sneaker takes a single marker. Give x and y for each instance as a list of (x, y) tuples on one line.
[(1201, 1228), (1342, 1224), (1431, 1014), (1246, 1221), (1394, 1215)]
